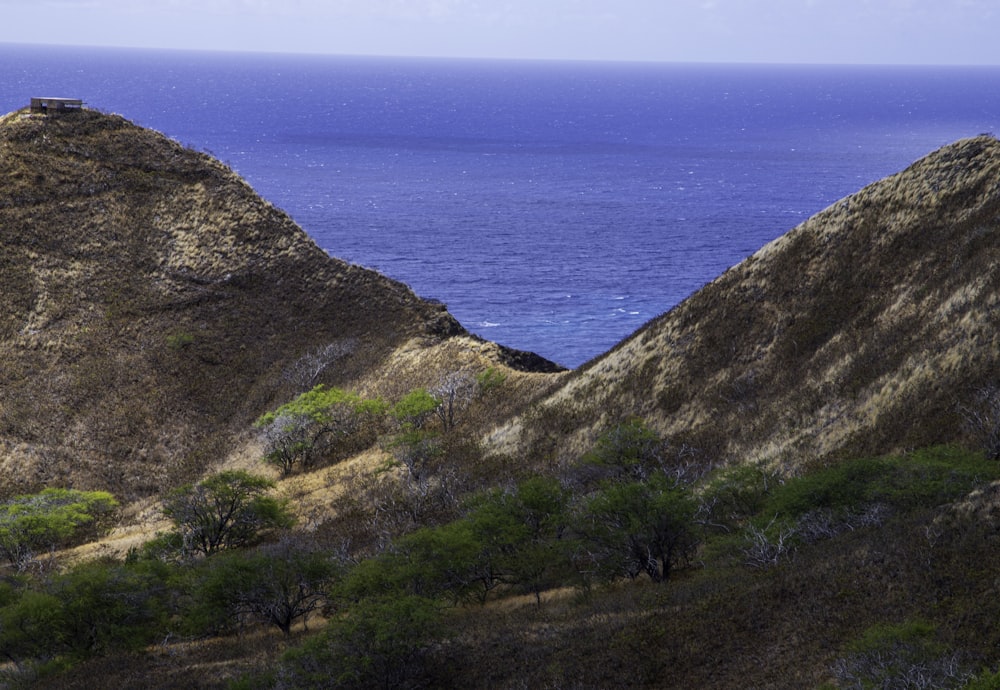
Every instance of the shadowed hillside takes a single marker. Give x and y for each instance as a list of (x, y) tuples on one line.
[(154, 306), (863, 330)]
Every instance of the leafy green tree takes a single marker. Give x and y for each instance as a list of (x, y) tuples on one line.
[(640, 517), (418, 450), (508, 538), (110, 606), (640, 527), (319, 422), (31, 627), (416, 447), (521, 534), (276, 585), (51, 518), (443, 561), (227, 510)]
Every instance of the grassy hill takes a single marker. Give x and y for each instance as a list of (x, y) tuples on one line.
[(155, 306), (786, 481), (866, 329)]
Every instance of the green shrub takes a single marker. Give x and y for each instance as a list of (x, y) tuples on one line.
[(52, 518), (180, 340), (378, 643), (933, 476), (736, 494), (489, 380), (927, 477), (844, 485), (164, 546), (987, 680)]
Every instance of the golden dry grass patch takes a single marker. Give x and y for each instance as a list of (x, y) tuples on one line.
[(313, 496)]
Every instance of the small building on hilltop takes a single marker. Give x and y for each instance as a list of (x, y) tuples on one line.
[(45, 106)]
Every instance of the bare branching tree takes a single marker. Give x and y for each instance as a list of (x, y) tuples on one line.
[(455, 392), (982, 419), (902, 663), (763, 550), (305, 371)]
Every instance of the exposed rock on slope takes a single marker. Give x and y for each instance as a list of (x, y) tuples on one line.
[(154, 304), (860, 331)]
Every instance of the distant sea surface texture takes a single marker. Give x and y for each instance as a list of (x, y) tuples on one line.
[(554, 207)]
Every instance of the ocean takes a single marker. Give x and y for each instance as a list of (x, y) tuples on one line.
[(553, 206)]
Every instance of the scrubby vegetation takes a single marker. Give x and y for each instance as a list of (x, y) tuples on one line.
[(628, 563)]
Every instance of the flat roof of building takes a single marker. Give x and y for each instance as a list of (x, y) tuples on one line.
[(56, 98)]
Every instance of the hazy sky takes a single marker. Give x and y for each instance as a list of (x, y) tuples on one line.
[(840, 31)]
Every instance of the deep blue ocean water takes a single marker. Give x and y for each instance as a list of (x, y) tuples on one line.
[(554, 207)]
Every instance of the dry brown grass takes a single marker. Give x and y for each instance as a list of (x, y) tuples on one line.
[(205, 664)]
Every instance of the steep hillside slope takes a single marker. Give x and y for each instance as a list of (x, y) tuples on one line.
[(154, 306), (863, 330)]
